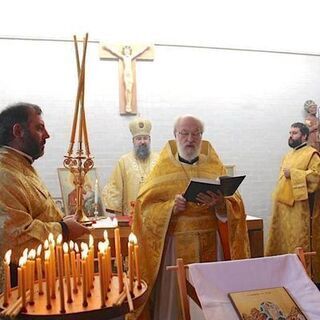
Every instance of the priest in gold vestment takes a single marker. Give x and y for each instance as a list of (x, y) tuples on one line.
[(295, 220), (168, 227), (131, 169), (27, 211)]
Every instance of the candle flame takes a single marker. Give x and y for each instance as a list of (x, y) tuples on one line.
[(65, 247), (39, 250), (71, 245), (106, 243), (76, 247), (105, 235), (21, 261), (91, 240), (131, 237), (59, 239), (47, 255), (101, 247), (46, 244), (50, 237), (25, 253), (7, 256), (32, 254), (84, 254), (84, 246), (134, 239)]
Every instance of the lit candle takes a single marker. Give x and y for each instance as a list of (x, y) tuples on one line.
[(107, 262), (23, 284), (7, 283), (118, 258), (20, 276), (25, 256), (67, 270), (91, 260), (39, 269), (31, 255), (60, 273), (102, 269), (73, 266), (47, 277), (76, 248), (130, 260), (84, 276), (96, 192), (136, 258), (53, 273)]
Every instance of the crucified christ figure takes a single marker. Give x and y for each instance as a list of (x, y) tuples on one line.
[(127, 56)]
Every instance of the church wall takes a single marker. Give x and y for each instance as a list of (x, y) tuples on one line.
[(247, 100)]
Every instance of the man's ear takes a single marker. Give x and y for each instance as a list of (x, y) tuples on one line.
[(17, 130)]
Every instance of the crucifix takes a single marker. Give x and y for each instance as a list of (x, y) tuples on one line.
[(127, 55)]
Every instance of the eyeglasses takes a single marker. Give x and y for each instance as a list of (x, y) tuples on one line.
[(186, 134)]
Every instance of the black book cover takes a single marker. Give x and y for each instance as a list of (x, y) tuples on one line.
[(225, 184)]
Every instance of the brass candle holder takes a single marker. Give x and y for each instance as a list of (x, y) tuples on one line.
[(80, 161)]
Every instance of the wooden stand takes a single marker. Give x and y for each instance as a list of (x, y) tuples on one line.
[(116, 304), (186, 289)]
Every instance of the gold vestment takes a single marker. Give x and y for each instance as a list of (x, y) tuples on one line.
[(27, 211), (194, 229), (291, 222), (125, 181)]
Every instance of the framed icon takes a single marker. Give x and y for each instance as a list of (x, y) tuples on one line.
[(69, 195)]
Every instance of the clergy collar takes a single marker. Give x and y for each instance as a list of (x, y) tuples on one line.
[(187, 161), (20, 152), (300, 146)]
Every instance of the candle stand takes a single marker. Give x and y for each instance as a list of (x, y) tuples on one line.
[(74, 310)]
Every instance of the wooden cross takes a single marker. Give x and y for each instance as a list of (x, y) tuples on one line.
[(127, 56)]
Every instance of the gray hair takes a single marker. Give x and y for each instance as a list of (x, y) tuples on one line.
[(180, 118)]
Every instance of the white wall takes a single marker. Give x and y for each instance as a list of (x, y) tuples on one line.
[(247, 100)]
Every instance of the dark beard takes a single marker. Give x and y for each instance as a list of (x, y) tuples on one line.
[(142, 152), (294, 143), (31, 147)]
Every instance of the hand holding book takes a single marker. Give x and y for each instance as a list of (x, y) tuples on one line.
[(210, 199), (226, 186)]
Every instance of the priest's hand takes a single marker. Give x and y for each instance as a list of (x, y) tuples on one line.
[(75, 229), (180, 203), (210, 199)]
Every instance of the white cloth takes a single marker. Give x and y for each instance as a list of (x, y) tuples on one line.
[(213, 282)]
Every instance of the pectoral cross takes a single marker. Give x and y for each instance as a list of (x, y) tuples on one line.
[(127, 56)]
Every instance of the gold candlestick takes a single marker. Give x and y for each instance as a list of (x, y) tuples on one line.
[(79, 163)]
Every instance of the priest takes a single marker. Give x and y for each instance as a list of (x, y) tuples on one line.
[(169, 227)]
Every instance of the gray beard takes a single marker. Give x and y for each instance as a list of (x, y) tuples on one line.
[(142, 152)]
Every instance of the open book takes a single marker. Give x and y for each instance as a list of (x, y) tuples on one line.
[(225, 184)]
